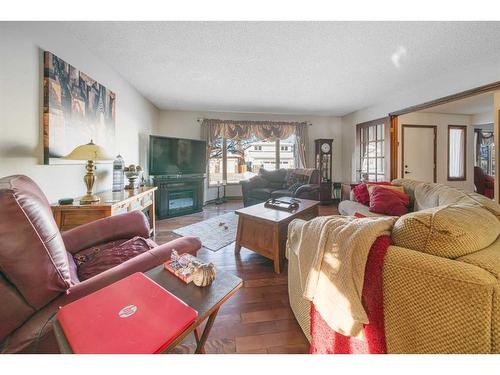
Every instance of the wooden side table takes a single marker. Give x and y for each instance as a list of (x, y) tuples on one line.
[(207, 301), (112, 203)]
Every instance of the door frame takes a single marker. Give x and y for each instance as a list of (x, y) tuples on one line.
[(403, 126)]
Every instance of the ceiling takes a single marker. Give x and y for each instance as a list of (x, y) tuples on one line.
[(322, 68), (470, 106)]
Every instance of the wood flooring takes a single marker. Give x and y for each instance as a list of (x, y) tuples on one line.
[(258, 318)]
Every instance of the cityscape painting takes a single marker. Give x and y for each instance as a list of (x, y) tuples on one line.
[(76, 109)]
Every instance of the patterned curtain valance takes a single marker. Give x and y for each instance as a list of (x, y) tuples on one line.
[(231, 129)]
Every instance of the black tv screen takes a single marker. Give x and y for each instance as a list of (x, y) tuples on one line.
[(172, 156)]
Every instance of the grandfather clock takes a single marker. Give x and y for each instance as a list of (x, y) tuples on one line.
[(323, 158)]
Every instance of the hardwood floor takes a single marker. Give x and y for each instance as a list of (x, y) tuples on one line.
[(258, 319)]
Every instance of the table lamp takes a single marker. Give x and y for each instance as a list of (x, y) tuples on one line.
[(90, 152)]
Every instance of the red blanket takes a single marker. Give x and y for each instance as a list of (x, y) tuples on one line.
[(324, 340)]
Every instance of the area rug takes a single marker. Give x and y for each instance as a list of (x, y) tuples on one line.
[(214, 233)]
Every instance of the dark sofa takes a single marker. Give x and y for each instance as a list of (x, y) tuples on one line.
[(298, 183)]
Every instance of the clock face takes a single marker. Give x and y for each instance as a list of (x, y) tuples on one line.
[(325, 147)]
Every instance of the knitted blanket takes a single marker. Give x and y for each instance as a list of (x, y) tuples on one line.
[(325, 340), (332, 253)]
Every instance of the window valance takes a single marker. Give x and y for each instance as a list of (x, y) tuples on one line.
[(238, 130)]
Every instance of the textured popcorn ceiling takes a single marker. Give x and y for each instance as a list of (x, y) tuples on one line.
[(324, 68)]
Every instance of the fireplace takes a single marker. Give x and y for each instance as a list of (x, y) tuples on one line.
[(178, 195)]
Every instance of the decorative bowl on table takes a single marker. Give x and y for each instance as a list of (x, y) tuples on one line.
[(133, 174)]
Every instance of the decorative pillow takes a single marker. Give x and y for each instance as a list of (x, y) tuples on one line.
[(294, 187), (361, 192), (371, 187), (294, 178), (388, 201), (449, 231)]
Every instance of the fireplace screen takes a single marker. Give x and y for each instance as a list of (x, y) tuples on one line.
[(180, 200)]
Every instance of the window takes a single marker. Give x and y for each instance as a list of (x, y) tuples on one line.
[(371, 141), (237, 160), (457, 154)]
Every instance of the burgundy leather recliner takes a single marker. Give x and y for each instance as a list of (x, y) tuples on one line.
[(38, 272)]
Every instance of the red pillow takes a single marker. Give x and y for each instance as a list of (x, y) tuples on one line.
[(389, 202), (361, 192)]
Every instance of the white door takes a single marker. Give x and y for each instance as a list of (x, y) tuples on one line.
[(419, 147)]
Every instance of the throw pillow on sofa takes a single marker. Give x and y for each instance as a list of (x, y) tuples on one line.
[(388, 202), (448, 231), (361, 192), (371, 187)]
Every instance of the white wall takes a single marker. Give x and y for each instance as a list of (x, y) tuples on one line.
[(184, 124), (483, 118), (442, 121), (21, 73)]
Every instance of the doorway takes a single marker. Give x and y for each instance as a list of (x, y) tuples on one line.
[(419, 143)]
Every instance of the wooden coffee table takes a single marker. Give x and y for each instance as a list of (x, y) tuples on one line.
[(264, 230), (206, 301)]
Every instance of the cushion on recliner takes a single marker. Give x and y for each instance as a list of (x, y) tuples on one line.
[(261, 193), (13, 308), (447, 231), (32, 255)]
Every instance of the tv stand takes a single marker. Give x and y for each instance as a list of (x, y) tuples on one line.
[(178, 194)]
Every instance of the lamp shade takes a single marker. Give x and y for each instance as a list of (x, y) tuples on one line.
[(90, 151)]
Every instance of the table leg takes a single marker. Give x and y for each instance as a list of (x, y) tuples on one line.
[(200, 341), (239, 233), (277, 243)]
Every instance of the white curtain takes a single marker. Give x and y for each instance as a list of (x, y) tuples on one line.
[(457, 153)]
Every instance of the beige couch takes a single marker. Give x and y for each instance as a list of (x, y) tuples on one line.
[(441, 277)]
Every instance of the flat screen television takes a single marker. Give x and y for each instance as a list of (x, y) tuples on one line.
[(174, 156)]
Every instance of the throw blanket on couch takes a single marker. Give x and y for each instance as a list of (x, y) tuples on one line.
[(332, 253), (325, 340)]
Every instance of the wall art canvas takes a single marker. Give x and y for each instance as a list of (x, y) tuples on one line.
[(76, 109)]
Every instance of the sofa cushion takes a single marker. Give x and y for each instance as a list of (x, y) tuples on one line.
[(294, 178), (447, 231), (276, 178), (487, 258), (281, 193), (261, 193), (349, 208), (388, 201)]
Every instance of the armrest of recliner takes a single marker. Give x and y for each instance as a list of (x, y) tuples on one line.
[(123, 226), (140, 263)]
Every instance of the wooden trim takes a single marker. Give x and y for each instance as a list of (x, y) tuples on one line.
[(403, 146), (371, 122), (394, 143), (450, 98), (464, 128)]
